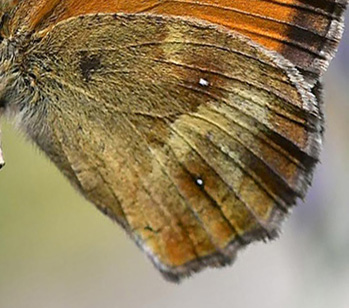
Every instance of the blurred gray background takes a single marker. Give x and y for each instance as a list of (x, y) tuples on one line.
[(57, 250)]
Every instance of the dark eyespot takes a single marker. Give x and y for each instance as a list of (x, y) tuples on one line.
[(3, 103), (89, 64)]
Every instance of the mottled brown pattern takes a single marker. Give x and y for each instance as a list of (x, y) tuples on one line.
[(184, 160), (194, 138)]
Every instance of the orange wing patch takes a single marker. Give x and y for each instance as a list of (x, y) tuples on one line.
[(304, 31), (260, 21)]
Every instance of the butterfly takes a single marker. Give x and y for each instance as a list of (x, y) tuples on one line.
[(195, 125)]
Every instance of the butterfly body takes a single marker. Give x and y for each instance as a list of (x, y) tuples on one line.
[(193, 137)]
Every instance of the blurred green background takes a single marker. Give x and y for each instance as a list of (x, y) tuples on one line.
[(57, 250)]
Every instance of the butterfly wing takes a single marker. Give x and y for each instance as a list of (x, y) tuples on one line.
[(306, 32), (194, 139)]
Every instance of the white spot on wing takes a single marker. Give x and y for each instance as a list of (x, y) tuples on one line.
[(2, 161), (203, 82), (200, 181)]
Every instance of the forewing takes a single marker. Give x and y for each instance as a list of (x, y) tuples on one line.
[(306, 32), (195, 139)]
